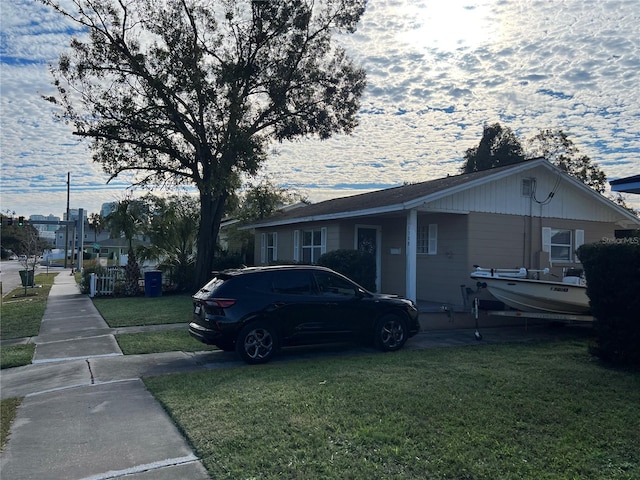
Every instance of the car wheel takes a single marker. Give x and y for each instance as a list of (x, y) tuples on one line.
[(390, 333), (257, 343)]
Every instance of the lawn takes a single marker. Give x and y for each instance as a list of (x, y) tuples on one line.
[(8, 409), (16, 355), (21, 315), (158, 342), (543, 410), (133, 311)]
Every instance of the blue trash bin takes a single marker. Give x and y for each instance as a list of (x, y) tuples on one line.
[(153, 283)]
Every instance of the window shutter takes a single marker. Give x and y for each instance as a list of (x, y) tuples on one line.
[(579, 241), (263, 248), (323, 240), (433, 239), (296, 245), (546, 239), (275, 246)]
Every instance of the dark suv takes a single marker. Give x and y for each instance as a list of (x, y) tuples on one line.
[(255, 311)]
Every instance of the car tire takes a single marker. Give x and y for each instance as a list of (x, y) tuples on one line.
[(257, 343), (390, 333)]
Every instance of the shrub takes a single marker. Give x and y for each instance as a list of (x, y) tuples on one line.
[(359, 266), (89, 268), (225, 260), (613, 287)]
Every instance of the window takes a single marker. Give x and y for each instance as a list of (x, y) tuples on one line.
[(561, 243), (332, 285), (428, 239), (314, 244), (292, 283), (311, 246), (269, 247)]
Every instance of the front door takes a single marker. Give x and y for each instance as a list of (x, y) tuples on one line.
[(368, 240)]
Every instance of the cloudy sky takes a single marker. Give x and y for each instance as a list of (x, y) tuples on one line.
[(438, 70)]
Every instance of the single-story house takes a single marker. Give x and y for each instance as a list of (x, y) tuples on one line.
[(427, 236)]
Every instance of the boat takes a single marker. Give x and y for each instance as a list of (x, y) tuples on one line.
[(524, 290)]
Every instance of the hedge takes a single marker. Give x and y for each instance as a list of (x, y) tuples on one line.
[(612, 271), (359, 266)]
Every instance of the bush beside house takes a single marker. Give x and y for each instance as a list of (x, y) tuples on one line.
[(613, 287), (359, 266)]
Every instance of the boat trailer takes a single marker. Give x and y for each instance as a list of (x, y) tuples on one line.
[(559, 317)]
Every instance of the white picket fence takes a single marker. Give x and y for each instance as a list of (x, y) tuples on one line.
[(105, 283)]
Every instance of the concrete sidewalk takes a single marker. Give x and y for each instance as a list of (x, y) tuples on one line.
[(87, 415), (83, 419)]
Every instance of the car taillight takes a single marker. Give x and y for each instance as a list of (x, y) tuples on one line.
[(220, 302)]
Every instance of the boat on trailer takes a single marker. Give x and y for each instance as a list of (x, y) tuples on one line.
[(524, 290)]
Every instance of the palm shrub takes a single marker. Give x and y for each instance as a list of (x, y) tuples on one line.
[(613, 283)]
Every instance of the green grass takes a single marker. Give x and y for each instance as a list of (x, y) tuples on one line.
[(132, 311), (157, 342), (8, 409), (514, 411), (16, 355), (21, 315)]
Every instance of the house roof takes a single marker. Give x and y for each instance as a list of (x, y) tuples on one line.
[(627, 185), (410, 196)]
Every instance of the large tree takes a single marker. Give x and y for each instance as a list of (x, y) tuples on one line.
[(559, 149), (193, 91), (498, 146)]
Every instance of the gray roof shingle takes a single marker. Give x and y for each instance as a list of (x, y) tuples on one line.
[(380, 199)]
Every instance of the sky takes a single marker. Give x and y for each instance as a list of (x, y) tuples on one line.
[(437, 72)]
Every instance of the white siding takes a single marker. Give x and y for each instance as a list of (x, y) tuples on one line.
[(505, 197)]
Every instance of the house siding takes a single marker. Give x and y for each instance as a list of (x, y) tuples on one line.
[(394, 256), (512, 241), (439, 276), (504, 196)]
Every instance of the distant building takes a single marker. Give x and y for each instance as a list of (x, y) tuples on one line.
[(45, 231), (107, 208)]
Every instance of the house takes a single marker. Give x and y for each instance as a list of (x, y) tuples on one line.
[(626, 185), (428, 236)]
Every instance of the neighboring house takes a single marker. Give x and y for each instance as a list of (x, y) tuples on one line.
[(427, 236), (89, 236), (626, 185)]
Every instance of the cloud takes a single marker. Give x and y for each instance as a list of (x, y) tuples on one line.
[(437, 72)]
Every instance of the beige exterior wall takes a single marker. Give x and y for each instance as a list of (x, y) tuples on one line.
[(285, 239), (393, 256), (440, 275), (512, 241)]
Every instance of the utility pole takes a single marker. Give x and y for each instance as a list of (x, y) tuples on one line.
[(66, 231)]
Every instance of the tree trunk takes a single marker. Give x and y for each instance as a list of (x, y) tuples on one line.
[(211, 209)]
